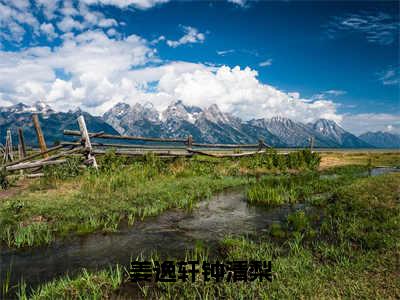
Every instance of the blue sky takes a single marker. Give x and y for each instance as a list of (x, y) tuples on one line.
[(303, 60)]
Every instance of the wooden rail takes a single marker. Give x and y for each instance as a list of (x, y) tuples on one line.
[(125, 137), (84, 146)]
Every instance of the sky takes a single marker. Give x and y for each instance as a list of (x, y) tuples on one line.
[(254, 59)]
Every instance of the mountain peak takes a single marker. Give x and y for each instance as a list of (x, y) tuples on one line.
[(177, 110), (328, 127), (381, 139), (215, 115), (37, 107)]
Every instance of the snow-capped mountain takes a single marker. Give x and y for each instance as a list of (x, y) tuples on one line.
[(52, 123), (332, 131), (211, 125), (37, 107), (136, 120), (381, 139), (291, 133), (208, 125)]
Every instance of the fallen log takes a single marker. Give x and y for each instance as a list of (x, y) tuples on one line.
[(23, 166)]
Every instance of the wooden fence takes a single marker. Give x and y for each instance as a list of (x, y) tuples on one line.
[(87, 146)]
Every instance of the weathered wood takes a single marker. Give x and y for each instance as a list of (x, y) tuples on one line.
[(31, 165), (141, 153), (34, 175), (311, 143), (85, 137), (8, 148), (232, 146), (125, 137), (111, 145), (64, 153), (225, 155), (21, 142), (32, 156), (39, 134), (260, 144), (190, 141)]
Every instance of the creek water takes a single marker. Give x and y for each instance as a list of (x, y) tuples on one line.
[(169, 235)]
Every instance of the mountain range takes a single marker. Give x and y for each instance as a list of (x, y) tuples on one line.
[(208, 125)]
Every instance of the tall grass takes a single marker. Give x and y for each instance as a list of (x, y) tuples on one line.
[(353, 255), (67, 200)]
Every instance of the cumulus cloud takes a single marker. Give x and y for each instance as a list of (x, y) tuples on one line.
[(239, 92), (95, 70), (19, 20), (101, 70), (361, 123), (49, 30), (14, 17), (191, 36), (96, 66)]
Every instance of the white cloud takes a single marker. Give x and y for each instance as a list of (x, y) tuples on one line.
[(265, 63), (48, 7), (328, 94), (48, 30), (140, 4), (379, 28), (13, 18), (95, 70), (238, 91), (19, 20), (241, 3), (335, 92), (225, 52), (390, 76), (361, 123), (68, 24), (100, 71), (96, 67), (192, 35)]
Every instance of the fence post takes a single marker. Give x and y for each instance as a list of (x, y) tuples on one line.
[(260, 144), (85, 137), (39, 134), (311, 143), (21, 143), (189, 141), (8, 150)]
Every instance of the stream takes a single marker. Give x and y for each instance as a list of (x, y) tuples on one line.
[(170, 235)]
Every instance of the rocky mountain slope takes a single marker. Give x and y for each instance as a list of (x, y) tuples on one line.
[(52, 123), (208, 125), (211, 125), (381, 139)]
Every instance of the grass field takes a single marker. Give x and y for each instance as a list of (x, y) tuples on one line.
[(346, 246)]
